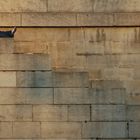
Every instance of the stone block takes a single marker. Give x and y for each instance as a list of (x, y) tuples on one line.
[(10, 19), (118, 74), (15, 113), (134, 128), (116, 6), (114, 96), (50, 113), (70, 79), (6, 45), (36, 35), (78, 112), (7, 79), (23, 6), (126, 19), (25, 62), (104, 130), (70, 6), (61, 130), (48, 19), (108, 113), (107, 84), (31, 47), (72, 96), (34, 79), (6, 129), (29, 6), (26, 130), (26, 96), (94, 19), (133, 113)]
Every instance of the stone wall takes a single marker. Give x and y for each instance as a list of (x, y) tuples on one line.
[(72, 70)]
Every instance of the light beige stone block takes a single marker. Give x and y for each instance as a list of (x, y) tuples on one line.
[(6, 130), (94, 19), (10, 19), (61, 130), (16, 113), (7, 79), (23, 6), (70, 6), (50, 113), (126, 19), (116, 6), (6, 45), (48, 19), (26, 130)]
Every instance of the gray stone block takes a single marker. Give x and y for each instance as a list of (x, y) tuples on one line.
[(104, 130), (70, 79), (34, 79)]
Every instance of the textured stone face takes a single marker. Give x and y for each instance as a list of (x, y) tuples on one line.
[(76, 80)]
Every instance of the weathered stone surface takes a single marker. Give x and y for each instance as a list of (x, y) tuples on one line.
[(72, 96), (114, 96), (104, 130), (134, 129), (7, 79), (25, 62), (88, 96), (108, 113), (6, 45), (26, 129), (50, 113), (78, 112), (23, 6), (116, 6), (118, 74), (34, 79), (6, 130), (26, 96), (16, 113), (31, 47), (10, 19), (94, 19), (48, 19), (70, 79), (133, 113), (61, 130), (126, 19), (70, 6), (42, 35)]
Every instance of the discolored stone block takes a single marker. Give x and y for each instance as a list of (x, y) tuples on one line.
[(70, 79), (34, 79), (104, 130), (25, 62), (108, 112)]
